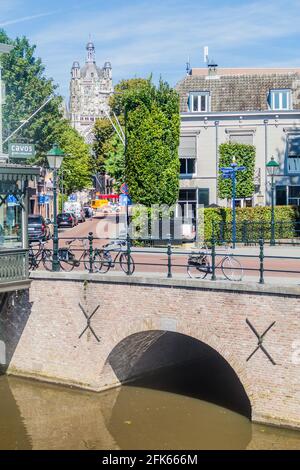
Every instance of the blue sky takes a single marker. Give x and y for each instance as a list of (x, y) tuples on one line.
[(156, 36)]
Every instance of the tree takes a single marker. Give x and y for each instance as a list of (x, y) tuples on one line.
[(27, 89), (152, 135), (103, 132), (245, 156), (105, 135), (115, 162), (76, 167)]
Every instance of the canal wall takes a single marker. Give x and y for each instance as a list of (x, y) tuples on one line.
[(48, 337)]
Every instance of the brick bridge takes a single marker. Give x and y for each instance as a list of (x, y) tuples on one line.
[(141, 324)]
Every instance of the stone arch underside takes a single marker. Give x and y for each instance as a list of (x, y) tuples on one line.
[(195, 368)]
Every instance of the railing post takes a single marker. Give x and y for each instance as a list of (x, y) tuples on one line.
[(213, 259), (128, 256), (91, 251), (261, 261), (169, 258)]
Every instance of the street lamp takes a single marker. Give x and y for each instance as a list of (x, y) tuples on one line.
[(55, 157), (272, 169)]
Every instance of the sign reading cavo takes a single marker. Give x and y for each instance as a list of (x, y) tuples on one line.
[(21, 150)]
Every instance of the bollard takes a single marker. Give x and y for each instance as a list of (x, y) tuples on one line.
[(128, 256), (91, 251), (213, 259), (261, 261), (169, 258)]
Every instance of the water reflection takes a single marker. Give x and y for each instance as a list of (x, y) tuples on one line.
[(40, 416)]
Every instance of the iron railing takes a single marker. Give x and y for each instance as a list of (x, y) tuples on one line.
[(250, 232), (13, 265), (257, 264)]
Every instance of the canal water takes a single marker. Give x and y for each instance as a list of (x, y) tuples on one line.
[(35, 415)]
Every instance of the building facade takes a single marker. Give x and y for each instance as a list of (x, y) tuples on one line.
[(90, 89), (250, 106)]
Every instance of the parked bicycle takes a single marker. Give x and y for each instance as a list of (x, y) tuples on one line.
[(200, 265), (38, 254), (104, 260)]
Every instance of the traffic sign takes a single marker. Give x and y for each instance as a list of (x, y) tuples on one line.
[(21, 151), (72, 198), (125, 200), (124, 189)]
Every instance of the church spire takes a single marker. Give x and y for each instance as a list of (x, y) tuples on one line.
[(90, 52)]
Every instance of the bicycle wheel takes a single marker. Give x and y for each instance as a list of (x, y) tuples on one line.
[(67, 259), (97, 262), (124, 263), (47, 259), (102, 262), (232, 268), (199, 270)]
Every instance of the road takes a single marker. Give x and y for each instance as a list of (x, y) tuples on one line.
[(156, 260)]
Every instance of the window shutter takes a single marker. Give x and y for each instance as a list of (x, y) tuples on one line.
[(187, 147), (246, 139)]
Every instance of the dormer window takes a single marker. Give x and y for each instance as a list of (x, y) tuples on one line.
[(280, 100), (199, 102)]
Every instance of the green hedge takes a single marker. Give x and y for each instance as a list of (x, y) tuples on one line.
[(253, 223)]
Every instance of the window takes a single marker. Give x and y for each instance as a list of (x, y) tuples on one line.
[(281, 195), (280, 99), (203, 196), (187, 166), (199, 102), (293, 153), (294, 195), (10, 223)]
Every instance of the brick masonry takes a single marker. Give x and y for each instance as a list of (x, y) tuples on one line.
[(42, 334)]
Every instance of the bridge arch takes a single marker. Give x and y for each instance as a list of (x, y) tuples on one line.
[(136, 354)]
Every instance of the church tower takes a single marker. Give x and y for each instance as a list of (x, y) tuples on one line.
[(90, 89)]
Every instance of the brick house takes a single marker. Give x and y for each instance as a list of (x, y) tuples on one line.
[(253, 106)]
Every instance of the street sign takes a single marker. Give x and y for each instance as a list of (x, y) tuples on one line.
[(125, 200), (21, 151), (124, 189), (12, 201), (72, 198)]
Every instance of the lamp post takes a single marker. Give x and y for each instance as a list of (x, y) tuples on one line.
[(272, 169), (55, 158)]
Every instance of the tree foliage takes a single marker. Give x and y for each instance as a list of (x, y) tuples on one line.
[(152, 134), (115, 161), (27, 89), (103, 132), (76, 167), (108, 148), (245, 156)]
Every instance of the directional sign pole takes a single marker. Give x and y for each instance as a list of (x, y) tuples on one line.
[(233, 178)]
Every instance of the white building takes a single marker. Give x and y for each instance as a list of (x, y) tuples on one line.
[(90, 89), (252, 106)]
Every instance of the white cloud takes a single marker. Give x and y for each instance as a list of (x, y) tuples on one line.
[(26, 18)]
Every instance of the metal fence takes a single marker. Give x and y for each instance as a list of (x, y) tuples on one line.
[(249, 232), (213, 261), (13, 265)]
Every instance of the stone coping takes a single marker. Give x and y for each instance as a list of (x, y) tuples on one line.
[(147, 279)]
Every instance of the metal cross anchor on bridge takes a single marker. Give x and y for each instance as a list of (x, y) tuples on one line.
[(88, 319), (260, 341)]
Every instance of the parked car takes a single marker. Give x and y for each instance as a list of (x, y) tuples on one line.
[(37, 228), (65, 220)]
